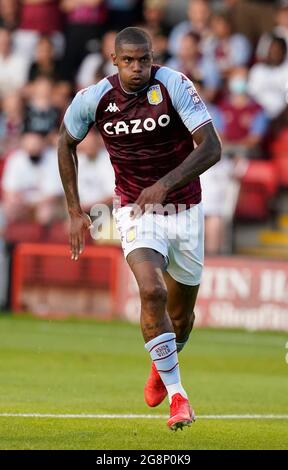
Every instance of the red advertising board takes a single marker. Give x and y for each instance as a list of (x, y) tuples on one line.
[(235, 292)]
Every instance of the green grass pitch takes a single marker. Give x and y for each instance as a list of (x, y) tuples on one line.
[(89, 367)]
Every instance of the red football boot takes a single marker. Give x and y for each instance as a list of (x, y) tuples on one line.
[(154, 390), (181, 413)]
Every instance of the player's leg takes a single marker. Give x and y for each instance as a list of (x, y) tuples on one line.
[(180, 306), (186, 251), (148, 266), (181, 301), (184, 272), (185, 265)]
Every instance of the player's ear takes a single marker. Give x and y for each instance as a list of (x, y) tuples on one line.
[(114, 58)]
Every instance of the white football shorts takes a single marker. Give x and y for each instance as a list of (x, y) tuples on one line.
[(179, 237)]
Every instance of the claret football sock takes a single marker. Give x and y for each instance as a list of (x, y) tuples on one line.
[(163, 352)]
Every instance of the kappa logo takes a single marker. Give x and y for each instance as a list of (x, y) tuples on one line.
[(112, 108), (154, 95)]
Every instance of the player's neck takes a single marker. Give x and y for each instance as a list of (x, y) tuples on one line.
[(130, 92)]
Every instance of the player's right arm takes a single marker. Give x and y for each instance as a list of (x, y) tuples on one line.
[(76, 124), (78, 119), (68, 167)]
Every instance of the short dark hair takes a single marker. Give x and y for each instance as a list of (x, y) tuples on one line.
[(194, 36), (281, 43), (132, 35)]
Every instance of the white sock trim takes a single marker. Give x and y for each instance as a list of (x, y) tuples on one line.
[(163, 338), (175, 388)]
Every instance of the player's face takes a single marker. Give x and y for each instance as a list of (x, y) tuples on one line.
[(134, 62)]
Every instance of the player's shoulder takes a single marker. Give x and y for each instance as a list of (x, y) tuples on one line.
[(176, 83), (95, 91), (169, 76)]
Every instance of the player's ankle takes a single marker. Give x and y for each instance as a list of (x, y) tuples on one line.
[(175, 388)]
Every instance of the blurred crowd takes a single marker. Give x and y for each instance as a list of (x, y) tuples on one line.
[(235, 51)]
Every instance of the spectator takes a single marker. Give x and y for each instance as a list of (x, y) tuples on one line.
[(251, 18), (45, 63), (154, 17), (40, 115), (198, 68), (13, 67), (199, 14), (226, 48), (280, 30), (38, 17), (280, 124), (123, 13), (31, 183), (85, 22), (61, 97), (268, 80), (96, 176), (98, 65), (9, 14), (11, 122), (154, 23), (217, 183), (244, 122), (242, 125), (176, 12)]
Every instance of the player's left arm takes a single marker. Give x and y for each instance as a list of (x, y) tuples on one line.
[(195, 116), (207, 153)]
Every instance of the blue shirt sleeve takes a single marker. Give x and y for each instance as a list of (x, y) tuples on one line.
[(185, 98), (260, 123), (211, 75), (82, 111), (217, 117), (241, 44)]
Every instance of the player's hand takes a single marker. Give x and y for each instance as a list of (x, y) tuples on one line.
[(79, 223), (155, 194)]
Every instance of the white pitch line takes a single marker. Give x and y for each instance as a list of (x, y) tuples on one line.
[(134, 416)]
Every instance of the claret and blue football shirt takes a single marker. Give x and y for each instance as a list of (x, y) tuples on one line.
[(147, 133)]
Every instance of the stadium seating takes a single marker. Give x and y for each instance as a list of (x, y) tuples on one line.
[(58, 233), (32, 232), (258, 186), (20, 232), (279, 152)]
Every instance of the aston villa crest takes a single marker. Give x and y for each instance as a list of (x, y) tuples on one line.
[(154, 94)]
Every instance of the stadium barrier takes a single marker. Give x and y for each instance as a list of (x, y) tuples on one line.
[(47, 283), (236, 292)]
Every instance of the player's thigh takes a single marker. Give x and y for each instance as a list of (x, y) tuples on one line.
[(186, 248), (181, 298), (147, 266)]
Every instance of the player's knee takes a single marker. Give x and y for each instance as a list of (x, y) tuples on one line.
[(183, 324), (192, 318), (153, 294)]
